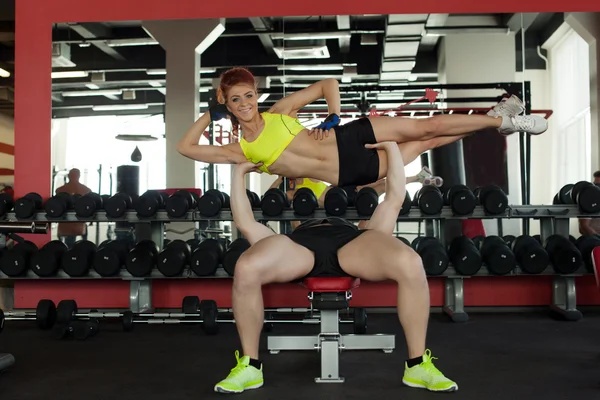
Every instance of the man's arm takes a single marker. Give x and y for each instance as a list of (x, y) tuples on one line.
[(386, 214), (585, 227), (243, 216)]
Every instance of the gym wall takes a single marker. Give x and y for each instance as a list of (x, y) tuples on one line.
[(7, 150), (34, 22)]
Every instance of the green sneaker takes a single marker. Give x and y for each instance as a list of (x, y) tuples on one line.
[(427, 376), (242, 377)]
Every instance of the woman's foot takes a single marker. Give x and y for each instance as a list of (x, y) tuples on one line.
[(427, 178), (508, 106)]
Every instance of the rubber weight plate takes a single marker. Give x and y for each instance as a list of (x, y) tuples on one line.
[(77, 261), (190, 305), (530, 255), (305, 202), (336, 201), (45, 314), (209, 312)]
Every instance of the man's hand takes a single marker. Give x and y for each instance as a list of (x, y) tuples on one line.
[(381, 145), (244, 168)]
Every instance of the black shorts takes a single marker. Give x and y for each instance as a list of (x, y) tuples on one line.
[(325, 241), (358, 165)]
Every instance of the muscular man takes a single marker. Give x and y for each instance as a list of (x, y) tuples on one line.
[(330, 247), (591, 226), (68, 231)]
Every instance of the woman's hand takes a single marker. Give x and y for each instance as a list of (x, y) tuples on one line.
[(324, 127)]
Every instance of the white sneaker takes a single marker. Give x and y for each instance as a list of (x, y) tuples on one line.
[(532, 124), (509, 106), (427, 179)]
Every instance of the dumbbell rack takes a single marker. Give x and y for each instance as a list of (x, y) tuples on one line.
[(554, 219)]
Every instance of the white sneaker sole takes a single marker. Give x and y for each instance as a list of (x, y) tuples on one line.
[(220, 389), (415, 385)]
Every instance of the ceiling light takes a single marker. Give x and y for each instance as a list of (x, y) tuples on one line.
[(263, 97), (69, 74), (315, 67), (291, 53), (92, 86), (312, 36), (451, 30), (84, 93), (155, 84), (4, 73), (131, 42), (118, 107), (163, 71)]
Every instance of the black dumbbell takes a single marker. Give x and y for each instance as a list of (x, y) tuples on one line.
[(351, 193), (14, 262), (142, 258), (585, 244), (233, 253), (45, 314), (87, 205), (461, 200), (206, 257), (305, 202), (46, 261), (149, 203), (587, 196), (173, 259), (117, 205), (429, 199), (212, 202), (83, 330), (435, 259), (366, 201), (77, 261), (492, 198), (564, 195), (465, 256), (57, 205), (6, 203), (274, 201), (110, 257), (498, 257), (564, 256), (336, 201), (509, 239), (28, 205), (254, 199), (530, 254), (406, 206)]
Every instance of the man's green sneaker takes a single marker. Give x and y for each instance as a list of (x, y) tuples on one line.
[(427, 376), (242, 377)]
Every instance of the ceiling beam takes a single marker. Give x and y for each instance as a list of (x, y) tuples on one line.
[(343, 24), (92, 31), (513, 21), (7, 54), (262, 25)]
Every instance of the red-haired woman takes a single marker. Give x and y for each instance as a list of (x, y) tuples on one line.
[(277, 142)]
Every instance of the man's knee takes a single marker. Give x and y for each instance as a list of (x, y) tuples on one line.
[(247, 272), (407, 265)]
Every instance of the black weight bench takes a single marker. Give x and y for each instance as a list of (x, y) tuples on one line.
[(329, 296)]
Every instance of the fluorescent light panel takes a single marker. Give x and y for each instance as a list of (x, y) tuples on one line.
[(312, 36), (119, 107), (163, 71), (69, 74), (443, 31), (85, 93), (315, 67), (4, 73)]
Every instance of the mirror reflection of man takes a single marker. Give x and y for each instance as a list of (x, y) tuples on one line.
[(591, 226), (68, 231)]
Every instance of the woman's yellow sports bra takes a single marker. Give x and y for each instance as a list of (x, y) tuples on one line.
[(278, 133), (317, 187)]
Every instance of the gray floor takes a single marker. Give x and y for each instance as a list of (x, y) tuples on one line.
[(493, 356)]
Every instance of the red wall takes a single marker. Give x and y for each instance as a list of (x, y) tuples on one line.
[(34, 20)]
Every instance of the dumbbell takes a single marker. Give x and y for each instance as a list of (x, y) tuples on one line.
[(530, 254), (206, 257), (28, 205), (77, 261), (14, 262), (87, 205), (274, 201), (406, 206), (141, 259), (173, 259), (461, 200), (254, 199), (465, 256), (495, 253), (366, 201), (110, 257), (336, 201), (45, 315), (149, 203), (83, 330), (587, 196), (233, 253), (564, 256), (67, 324), (305, 202), (585, 244), (57, 205), (435, 259), (212, 202), (6, 203), (509, 239), (429, 199), (492, 198), (564, 195), (117, 205), (46, 262)]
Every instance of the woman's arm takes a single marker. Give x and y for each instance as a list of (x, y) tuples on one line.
[(328, 89), (189, 146)]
